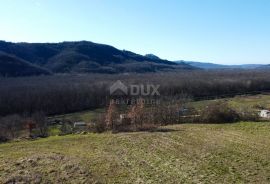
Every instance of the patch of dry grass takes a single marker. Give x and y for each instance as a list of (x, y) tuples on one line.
[(231, 153)]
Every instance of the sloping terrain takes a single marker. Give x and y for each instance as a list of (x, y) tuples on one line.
[(231, 153), (85, 57), (13, 66)]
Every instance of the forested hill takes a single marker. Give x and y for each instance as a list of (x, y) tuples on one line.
[(76, 57), (16, 67)]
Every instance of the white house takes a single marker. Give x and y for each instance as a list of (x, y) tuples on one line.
[(265, 114)]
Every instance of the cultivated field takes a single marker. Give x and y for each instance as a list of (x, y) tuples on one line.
[(227, 153)]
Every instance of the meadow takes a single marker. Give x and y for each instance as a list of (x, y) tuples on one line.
[(189, 153)]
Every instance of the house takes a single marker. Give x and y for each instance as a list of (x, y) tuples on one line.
[(265, 114)]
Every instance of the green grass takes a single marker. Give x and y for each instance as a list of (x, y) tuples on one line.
[(54, 130), (252, 102), (190, 153), (85, 116)]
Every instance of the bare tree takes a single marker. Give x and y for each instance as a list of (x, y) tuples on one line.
[(11, 126), (41, 121), (111, 116), (137, 114)]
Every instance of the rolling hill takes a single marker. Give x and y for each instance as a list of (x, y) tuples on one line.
[(78, 57), (13, 66)]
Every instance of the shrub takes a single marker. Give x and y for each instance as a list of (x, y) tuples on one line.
[(11, 126), (138, 118), (111, 116), (219, 113), (249, 115), (3, 139), (66, 129), (166, 114), (99, 124), (40, 120)]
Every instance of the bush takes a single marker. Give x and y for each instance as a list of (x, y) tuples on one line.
[(127, 125), (124, 126), (111, 116), (249, 115), (3, 139), (99, 124), (219, 113), (135, 118), (40, 120), (66, 129), (11, 127), (138, 118)]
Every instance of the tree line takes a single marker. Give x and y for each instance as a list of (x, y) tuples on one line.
[(60, 94)]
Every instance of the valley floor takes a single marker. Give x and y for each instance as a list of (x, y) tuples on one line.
[(231, 153)]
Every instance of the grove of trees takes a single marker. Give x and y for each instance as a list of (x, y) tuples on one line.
[(60, 94)]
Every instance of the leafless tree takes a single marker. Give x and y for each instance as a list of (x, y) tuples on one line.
[(111, 116), (41, 123), (11, 126)]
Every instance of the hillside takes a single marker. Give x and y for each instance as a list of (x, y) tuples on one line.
[(189, 153), (13, 66), (84, 57)]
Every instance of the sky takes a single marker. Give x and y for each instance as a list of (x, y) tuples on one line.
[(218, 31)]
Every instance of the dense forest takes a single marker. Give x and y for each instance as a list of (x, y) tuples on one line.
[(59, 94)]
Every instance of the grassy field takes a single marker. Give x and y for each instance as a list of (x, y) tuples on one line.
[(190, 153), (251, 102), (85, 116)]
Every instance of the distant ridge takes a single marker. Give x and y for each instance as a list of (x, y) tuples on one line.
[(77, 57), (210, 66)]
